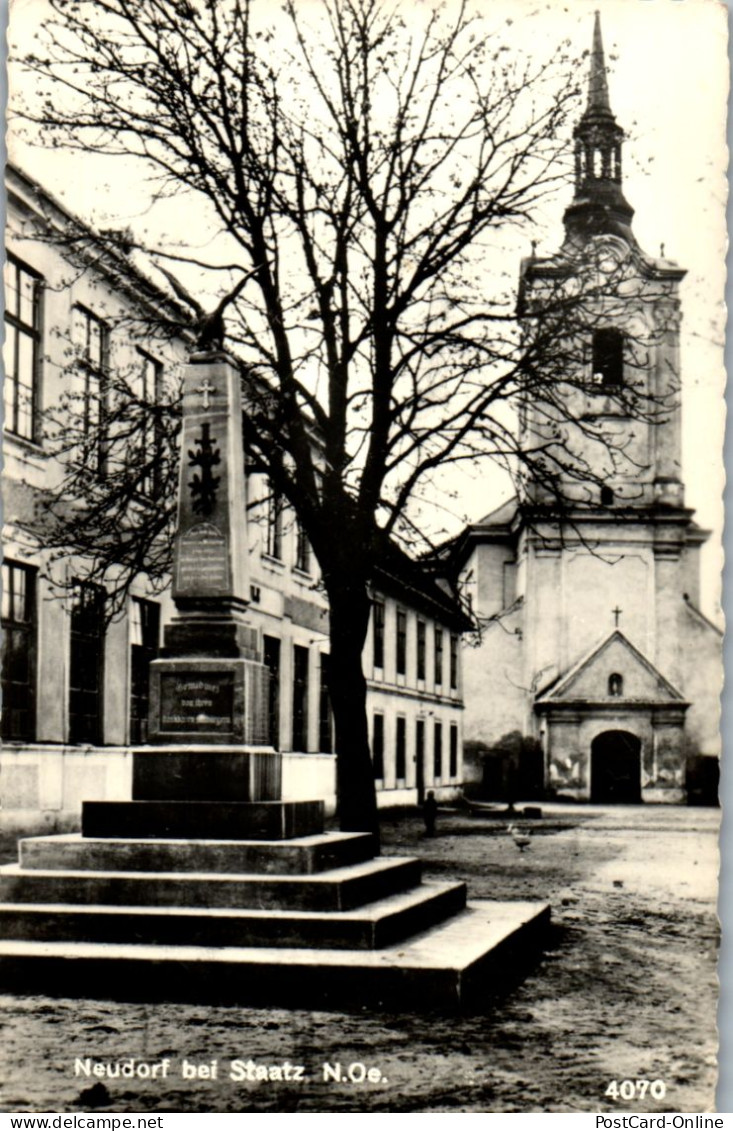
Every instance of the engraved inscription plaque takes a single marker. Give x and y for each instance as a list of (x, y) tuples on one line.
[(203, 560), (198, 703)]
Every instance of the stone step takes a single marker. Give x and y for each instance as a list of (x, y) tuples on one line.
[(377, 925), (301, 856), (339, 889), (445, 967), (202, 820)]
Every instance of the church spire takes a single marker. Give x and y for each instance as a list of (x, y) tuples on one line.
[(597, 81), (599, 205)]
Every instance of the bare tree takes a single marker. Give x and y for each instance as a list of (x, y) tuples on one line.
[(366, 163)]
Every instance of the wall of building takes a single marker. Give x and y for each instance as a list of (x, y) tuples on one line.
[(702, 662), (47, 775)]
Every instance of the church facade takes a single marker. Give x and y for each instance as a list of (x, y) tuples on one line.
[(597, 676)]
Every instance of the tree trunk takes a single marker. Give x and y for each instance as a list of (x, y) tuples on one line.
[(349, 618)]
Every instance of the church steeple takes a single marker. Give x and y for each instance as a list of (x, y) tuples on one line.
[(598, 206), (597, 82)]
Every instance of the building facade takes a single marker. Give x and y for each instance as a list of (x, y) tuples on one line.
[(598, 677), (75, 687)]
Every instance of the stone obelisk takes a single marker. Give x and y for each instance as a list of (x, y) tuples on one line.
[(208, 690)]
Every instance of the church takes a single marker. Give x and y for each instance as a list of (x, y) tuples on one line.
[(597, 677)]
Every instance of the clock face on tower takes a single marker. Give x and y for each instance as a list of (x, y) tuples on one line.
[(608, 255)]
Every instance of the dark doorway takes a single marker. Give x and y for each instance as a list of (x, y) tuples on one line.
[(615, 768)]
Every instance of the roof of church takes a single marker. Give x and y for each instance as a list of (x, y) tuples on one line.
[(500, 516), (497, 525), (699, 615), (598, 206)]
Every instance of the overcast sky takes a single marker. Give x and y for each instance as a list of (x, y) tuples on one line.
[(668, 87)]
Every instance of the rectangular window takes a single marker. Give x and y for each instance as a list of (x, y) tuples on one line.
[(378, 613), (144, 452), (274, 539), (271, 657), (19, 651), (438, 752), (453, 768), (325, 715), (86, 664), (421, 633), (378, 747), (401, 748), (420, 757), (144, 637), (453, 662), (438, 656), (23, 288), (300, 698), (302, 548), (91, 337), (401, 642)]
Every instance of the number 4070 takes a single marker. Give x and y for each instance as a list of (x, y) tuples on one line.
[(636, 1089)]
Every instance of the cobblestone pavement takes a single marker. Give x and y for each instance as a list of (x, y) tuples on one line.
[(626, 991)]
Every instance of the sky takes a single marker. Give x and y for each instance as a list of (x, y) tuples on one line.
[(668, 78)]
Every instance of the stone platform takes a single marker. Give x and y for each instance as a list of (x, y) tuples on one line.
[(447, 967), (311, 920)]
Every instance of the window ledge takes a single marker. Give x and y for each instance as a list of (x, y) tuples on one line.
[(276, 563), (30, 447)]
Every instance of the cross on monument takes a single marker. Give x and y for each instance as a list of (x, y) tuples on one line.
[(617, 613), (206, 389)]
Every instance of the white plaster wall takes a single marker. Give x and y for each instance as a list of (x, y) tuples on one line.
[(43, 787), (310, 777)]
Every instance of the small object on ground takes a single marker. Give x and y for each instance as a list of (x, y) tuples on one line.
[(429, 813), (520, 838), (618, 883), (532, 812)]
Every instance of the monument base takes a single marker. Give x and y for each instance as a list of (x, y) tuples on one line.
[(203, 772), (202, 820), (316, 921)]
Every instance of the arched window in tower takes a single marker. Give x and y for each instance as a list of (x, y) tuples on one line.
[(616, 685), (608, 357)]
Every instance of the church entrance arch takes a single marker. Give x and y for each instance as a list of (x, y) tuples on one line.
[(615, 768)]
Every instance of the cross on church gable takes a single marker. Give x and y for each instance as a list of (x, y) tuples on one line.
[(616, 614)]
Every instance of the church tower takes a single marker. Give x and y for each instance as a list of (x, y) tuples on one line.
[(615, 341), (587, 583)]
